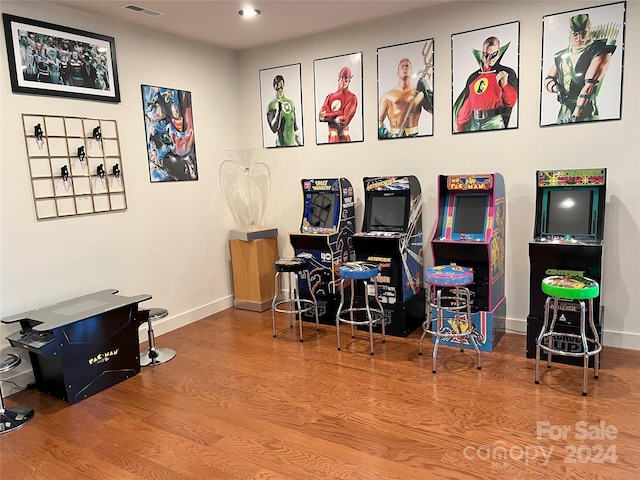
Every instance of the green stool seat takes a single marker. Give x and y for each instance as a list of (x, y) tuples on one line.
[(570, 287)]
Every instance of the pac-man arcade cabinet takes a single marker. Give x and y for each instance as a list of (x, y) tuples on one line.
[(470, 232)]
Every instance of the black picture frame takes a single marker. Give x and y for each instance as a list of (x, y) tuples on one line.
[(49, 59)]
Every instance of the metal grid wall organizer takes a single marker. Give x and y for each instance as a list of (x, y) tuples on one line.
[(75, 165)]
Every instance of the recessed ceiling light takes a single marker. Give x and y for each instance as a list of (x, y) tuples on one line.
[(249, 12)]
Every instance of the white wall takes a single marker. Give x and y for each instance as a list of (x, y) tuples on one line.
[(172, 240), (517, 154)]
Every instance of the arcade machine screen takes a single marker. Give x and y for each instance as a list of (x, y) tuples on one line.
[(569, 212), (388, 212), (470, 216), (323, 210)]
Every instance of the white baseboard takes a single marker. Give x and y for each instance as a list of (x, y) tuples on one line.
[(22, 375), (170, 323)]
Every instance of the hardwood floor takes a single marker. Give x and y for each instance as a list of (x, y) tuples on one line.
[(236, 403)]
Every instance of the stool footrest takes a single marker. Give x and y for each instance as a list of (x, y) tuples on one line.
[(448, 336), (376, 316), (306, 306), (564, 353)]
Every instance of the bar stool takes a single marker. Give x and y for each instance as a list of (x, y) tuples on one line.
[(290, 301), (16, 417), (155, 356), (447, 293), (356, 314), (576, 289)]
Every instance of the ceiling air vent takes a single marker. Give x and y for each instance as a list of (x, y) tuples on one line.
[(146, 11)]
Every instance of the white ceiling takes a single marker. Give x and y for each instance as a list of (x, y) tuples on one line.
[(217, 22)]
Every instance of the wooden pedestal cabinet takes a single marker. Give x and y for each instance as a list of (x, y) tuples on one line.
[(254, 251)]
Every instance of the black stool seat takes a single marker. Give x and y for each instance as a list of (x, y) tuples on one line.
[(16, 417), (292, 264), (155, 356), (158, 313)]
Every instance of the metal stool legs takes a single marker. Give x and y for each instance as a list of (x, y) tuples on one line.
[(371, 315), (548, 335), (155, 356), (16, 417), (291, 303), (461, 300)]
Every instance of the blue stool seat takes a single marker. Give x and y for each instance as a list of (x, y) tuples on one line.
[(569, 289), (290, 302), (360, 313), (448, 276), (449, 298)]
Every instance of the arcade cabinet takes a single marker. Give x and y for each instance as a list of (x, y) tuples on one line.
[(392, 238), (568, 240), (324, 240), (470, 232), (82, 346)]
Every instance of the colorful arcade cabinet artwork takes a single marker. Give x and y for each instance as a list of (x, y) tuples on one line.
[(470, 232), (568, 240), (392, 237), (324, 240)]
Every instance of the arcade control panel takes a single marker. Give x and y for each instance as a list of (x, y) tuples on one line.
[(463, 238), (31, 339), (569, 239), (378, 234)]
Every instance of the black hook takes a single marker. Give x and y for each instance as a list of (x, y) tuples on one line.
[(82, 155), (116, 171), (97, 134), (37, 132), (100, 170), (64, 171)]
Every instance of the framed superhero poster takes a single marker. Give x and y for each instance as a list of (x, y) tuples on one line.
[(338, 99), (281, 106), (582, 62), (48, 59), (405, 90), (485, 71), (168, 123)]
